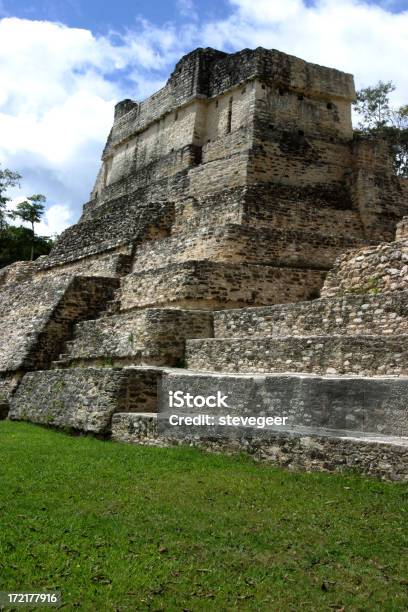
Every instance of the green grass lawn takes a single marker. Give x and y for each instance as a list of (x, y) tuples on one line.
[(117, 527)]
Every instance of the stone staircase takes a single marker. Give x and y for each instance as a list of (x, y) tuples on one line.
[(357, 355), (37, 314), (222, 203), (153, 336), (365, 335), (335, 367)]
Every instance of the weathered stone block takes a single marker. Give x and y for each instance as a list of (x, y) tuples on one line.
[(116, 224), (402, 230), (242, 244), (339, 405), (84, 398), (370, 270), (384, 457), (139, 428), (360, 355), (211, 285), (351, 315), (150, 336), (36, 316)]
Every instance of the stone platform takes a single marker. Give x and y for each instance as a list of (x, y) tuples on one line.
[(236, 225), (384, 457), (84, 399)]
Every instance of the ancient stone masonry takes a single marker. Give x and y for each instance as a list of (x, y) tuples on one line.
[(37, 315), (222, 204)]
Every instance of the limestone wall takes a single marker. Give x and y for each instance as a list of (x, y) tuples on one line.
[(165, 178), (18, 272), (256, 139), (317, 114), (118, 225), (381, 457), (239, 244), (378, 195), (195, 213), (212, 285), (382, 315), (112, 263), (152, 336), (209, 73), (210, 102), (319, 210), (36, 316), (345, 355), (173, 132), (402, 229), (370, 270), (309, 403), (83, 398)]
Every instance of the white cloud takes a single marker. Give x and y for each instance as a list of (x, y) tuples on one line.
[(265, 10), (350, 35), (187, 9), (58, 84), (56, 218)]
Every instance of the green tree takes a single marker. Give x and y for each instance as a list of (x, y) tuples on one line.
[(379, 118), (31, 211), (8, 178), (16, 244)]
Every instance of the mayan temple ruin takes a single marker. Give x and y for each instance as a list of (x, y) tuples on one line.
[(238, 237)]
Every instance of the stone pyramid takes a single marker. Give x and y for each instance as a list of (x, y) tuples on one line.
[(222, 204)]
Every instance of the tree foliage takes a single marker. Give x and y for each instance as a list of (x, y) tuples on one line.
[(20, 243), (31, 211), (16, 244), (8, 178), (379, 118)]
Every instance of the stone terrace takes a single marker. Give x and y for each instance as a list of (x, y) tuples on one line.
[(237, 236)]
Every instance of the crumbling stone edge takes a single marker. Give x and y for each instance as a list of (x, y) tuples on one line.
[(295, 452)]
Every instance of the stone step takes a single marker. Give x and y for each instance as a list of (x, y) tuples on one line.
[(332, 423), (214, 285), (364, 405), (84, 398), (361, 355), (154, 336), (131, 422), (234, 243), (321, 450), (382, 314), (37, 316), (114, 224), (292, 209)]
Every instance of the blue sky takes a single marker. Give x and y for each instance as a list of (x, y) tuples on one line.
[(101, 17), (64, 64)]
